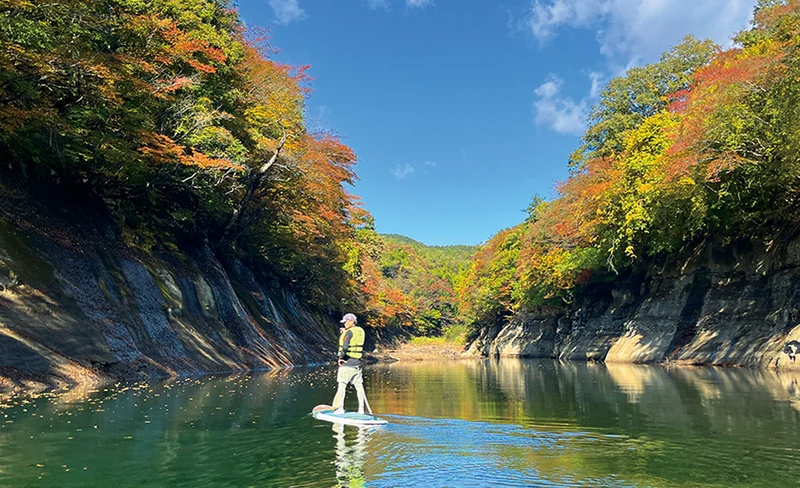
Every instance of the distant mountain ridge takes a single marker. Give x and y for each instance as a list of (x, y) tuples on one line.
[(420, 281), (457, 249)]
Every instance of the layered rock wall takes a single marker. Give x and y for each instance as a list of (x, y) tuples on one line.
[(77, 304), (734, 306)]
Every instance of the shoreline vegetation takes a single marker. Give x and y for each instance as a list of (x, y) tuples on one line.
[(165, 209)]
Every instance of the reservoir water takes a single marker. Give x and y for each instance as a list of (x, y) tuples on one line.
[(460, 423)]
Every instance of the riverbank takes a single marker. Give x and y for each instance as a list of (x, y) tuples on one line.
[(421, 350), (78, 305)]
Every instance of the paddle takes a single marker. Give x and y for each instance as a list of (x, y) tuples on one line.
[(366, 402)]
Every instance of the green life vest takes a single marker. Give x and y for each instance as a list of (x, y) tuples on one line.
[(356, 347)]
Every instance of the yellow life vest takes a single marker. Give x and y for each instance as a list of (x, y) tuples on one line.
[(356, 347)]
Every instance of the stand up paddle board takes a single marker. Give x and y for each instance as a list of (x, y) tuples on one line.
[(325, 412)]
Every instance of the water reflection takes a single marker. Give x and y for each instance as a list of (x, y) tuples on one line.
[(633, 379), (466, 423), (643, 425), (351, 453)]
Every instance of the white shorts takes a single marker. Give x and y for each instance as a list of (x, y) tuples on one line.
[(350, 375)]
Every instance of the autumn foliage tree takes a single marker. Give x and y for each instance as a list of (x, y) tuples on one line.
[(699, 147), (176, 120), (422, 280)]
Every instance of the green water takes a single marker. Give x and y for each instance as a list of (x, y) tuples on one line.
[(468, 423)]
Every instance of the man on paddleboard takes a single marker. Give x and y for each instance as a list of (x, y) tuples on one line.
[(351, 350)]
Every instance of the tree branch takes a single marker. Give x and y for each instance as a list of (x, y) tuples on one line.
[(253, 184)]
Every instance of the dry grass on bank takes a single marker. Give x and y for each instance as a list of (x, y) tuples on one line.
[(423, 349)]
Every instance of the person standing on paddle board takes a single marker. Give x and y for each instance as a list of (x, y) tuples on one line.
[(351, 350)]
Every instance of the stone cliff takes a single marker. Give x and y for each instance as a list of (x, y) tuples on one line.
[(737, 305), (78, 304)]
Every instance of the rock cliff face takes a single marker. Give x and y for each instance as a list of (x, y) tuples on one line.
[(77, 304), (734, 306)]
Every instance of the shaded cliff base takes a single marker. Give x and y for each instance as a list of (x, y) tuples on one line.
[(736, 305), (80, 306)]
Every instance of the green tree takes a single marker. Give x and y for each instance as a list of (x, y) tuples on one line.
[(642, 92)]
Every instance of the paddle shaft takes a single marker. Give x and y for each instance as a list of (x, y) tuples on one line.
[(366, 402)]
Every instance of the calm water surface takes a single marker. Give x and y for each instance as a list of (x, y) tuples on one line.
[(467, 423)]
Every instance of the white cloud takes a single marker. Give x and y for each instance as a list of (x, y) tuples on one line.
[(628, 33), (637, 31), (559, 113), (550, 88), (287, 11), (418, 3), (402, 170)]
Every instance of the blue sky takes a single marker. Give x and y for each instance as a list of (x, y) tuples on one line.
[(461, 110)]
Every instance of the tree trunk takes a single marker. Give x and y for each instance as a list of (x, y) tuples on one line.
[(254, 181)]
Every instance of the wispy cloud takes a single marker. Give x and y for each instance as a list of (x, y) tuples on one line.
[(287, 11), (638, 30), (378, 4), (557, 112), (317, 118), (418, 3), (410, 4), (401, 171), (598, 81)]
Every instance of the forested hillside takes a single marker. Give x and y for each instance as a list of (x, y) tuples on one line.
[(697, 149), (424, 277), (172, 122), (171, 119)]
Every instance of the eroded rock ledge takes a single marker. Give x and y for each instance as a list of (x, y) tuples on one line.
[(738, 305), (77, 305)]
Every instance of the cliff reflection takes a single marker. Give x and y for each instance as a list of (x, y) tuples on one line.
[(650, 425), (596, 394)]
